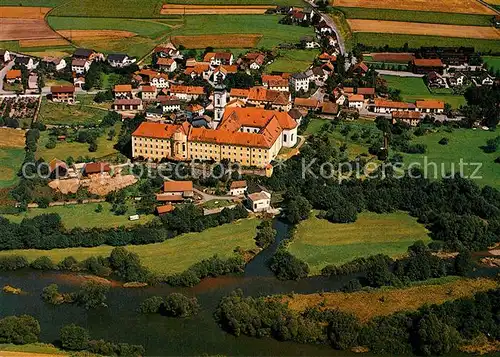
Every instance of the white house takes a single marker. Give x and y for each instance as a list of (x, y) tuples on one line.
[(58, 63), (80, 66), (429, 106), (356, 101), (238, 188), (218, 58), (388, 106), (308, 42), (166, 64), (300, 81), (4, 55), (170, 104), (27, 62), (120, 60), (160, 81), (259, 201)]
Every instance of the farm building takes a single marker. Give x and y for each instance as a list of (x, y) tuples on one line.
[(127, 104), (13, 75), (410, 118), (429, 106), (120, 60), (122, 91), (259, 201), (424, 66), (356, 101), (388, 106), (63, 94), (238, 188)]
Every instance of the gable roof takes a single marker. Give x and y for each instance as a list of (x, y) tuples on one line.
[(82, 52), (13, 74), (425, 62), (62, 89), (177, 186), (366, 91), (122, 88), (117, 57), (430, 104), (306, 102)]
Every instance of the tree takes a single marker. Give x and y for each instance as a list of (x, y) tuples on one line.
[(287, 267), (151, 305), (19, 330), (343, 330), (265, 234), (179, 305), (51, 295), (74, 337), (43, 263), (297, 209), (40, 82), (92, 295), (435, 337)]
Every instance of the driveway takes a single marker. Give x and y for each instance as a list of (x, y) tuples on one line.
[(3, 73), (399, 73)]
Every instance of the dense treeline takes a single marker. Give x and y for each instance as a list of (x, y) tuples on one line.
[(46, 231), (457, 212), (175, 305), (91, 295), (19, 330), (431, 330)]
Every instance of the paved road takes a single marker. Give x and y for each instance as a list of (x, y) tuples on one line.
[(399, 73), (3, 73)]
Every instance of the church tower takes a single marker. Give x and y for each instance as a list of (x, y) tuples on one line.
[(220, 102)]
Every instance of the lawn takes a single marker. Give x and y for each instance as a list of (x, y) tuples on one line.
[(463, 144), (413, 89), (320, 243), (382, 302), (74, 149), (493, 62), (217, 204), (267, 25), (380, 40), (173, 255), (292, 61), (84, 216), (416, 16), (70, 114), (136, 46), (11, 160), (42, 348)]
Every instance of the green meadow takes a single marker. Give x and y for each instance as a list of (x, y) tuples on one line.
[(292, 61)]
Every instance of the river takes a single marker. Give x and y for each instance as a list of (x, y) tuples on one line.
[(160, 335)]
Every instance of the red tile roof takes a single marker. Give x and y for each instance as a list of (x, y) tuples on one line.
[(123, 88), (406, 115), (238, 184), (428, 62), (97, 167), (62, 89), (390, 104), (177, 186), (430, 104), (13, 74), (164, 209)]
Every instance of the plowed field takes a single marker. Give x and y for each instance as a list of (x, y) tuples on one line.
[(458, 6)]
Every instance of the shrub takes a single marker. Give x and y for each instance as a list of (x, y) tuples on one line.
[(13, 262), (43, 263), (287, 267), (74, 337), (151, 305), (443, 141), (69, 263), (19, 330), (178, 305)]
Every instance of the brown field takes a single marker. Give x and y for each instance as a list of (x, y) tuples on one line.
[(392, 57), (493, 2), (381, 302), (457, 6), (76, 35), (48, 42), (11, 138), (413, 28), (25, 29), (169, 9), (218, 41), (23, 12)]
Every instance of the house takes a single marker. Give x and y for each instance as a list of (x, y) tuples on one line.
[(306, 103), (424, 66), (78, 81), (329, 108), (360, 69), (218, 58), (262, 97), (154, 78), (285, 10), (429, 106), (187, 92), (57, 169), (154, 113), (317, 74), (64, 94), (484, 79), (276, 83), (366, 92), (96, 168), (300, 82), (296, 115), (167, 52), (58, 63), (325, 58), (457, 79), (161, 210), (241, 94), (33, 81), (80, 65), (309, 42), (123, 91), (220, 73), (166, 64), (4, 56), (178, 188), (259, 201), (356, 101), (126, 104), (323, 28), (252, 60), (410, 118), (238, 188), (298, 16), (200, 70), (388, 106), (435, 80), (148, 93), (195, 109), (84, 53), (169, 104), (348, 90), (13, 76), (27, 62), (120, 60)]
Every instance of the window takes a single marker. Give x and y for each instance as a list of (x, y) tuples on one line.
[(284, 137)]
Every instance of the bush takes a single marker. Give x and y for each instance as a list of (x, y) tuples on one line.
[(178, 305), (265, 234), (74, 338), (69, 264), (51, 295), (287, 267), (151, 305), (92, 295), (443, 141), (43, 263), (19, 330), (13, 262)]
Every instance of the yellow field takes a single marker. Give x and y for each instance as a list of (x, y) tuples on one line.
[(76, 35), (413, 28), (49, 42), (457, 6), (24, 12), (218, 41), (382, 302), (11, 138), (170, 9)]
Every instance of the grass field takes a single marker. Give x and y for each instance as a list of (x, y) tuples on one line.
[(41, 348), (292, 61), (413, 89), (380, 40), (465, 144), (85, 216), (416, 16), (65, 149), (386, 301), (320, 243), (173, 255), (74, 114), (11, 160), (493, 62), (267, 25)]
